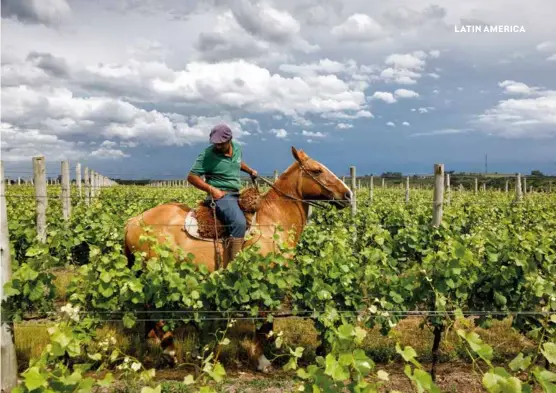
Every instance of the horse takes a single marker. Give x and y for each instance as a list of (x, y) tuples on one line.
[(285, 204)]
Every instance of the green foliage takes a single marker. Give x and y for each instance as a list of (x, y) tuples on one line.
[(498, 379), (349, 273), (72, 352)]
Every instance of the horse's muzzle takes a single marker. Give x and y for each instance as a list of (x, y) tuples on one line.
[(345, 202)]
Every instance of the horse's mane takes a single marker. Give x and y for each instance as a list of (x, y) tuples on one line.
[(264, 197)]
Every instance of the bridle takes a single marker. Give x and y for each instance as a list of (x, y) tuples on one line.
[(309, 202)]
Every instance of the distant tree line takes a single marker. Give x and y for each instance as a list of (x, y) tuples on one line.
[(536, 178)]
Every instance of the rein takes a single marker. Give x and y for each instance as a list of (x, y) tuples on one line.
[(312, 203)]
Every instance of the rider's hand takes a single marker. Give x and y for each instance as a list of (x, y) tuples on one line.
[(216, 193), (254, 173)]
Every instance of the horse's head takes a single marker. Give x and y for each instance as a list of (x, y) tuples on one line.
[(319, 183)]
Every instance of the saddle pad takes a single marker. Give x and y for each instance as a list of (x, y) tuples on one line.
[(191, 227)]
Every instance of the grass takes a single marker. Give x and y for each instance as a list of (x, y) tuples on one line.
[(61, 283), (240, 383), (32, 337)]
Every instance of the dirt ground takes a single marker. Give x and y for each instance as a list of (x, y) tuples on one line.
[(451, 378)]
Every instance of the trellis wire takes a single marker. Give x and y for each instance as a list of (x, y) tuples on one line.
[(294, 315)]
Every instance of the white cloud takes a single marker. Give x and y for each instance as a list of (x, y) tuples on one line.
[(228, 41), (19, 145), (237, 84), (391, 98), (23, 73), (434, 53), (280, 133), (312, 134), (391, 124), (384, 96), (264, 21), (128, 144), (446, 131), (325, 66), (404, 93), (270, 24), (400, 76), (405, 68), (359, 28), (47, 12), (406, 61), (108, 144), (246, 122), (433, 75), (108, 153), (344, 126), (551, 58), (512, 87), (521, 117), (405, 123), (404, 19), (342, 115), (243, 85), (32, 100), (58, 112), (147, 49), (546, 46), (301, 121)]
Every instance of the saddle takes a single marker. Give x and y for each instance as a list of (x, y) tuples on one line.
[(200, 221)]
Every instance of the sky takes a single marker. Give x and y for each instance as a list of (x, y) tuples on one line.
[(131, 88)]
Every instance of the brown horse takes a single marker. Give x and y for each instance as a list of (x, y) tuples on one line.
[(283, 205)]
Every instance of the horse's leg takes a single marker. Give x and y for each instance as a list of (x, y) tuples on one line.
[(323, 347), (257, 356), (157, 337)]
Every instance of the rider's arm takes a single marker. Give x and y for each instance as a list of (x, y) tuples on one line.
[(198, 182), (195, 173), (246, 168)]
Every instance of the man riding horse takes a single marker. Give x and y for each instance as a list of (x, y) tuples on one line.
[(221, 164), (284, 205)]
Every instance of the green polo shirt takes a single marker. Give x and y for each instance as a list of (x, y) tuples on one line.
[(219, 170)]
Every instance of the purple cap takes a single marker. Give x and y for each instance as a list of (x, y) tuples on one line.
[(220, 134)]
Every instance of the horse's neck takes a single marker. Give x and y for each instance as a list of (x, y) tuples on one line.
[(281, 210)]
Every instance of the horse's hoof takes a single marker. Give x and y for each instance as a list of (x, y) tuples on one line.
[(267, 370), (195, 353), (264, 365)]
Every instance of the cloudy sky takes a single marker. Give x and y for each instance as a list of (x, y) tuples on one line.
[(131, 88)]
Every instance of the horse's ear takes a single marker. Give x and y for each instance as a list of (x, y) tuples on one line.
[(299, 155), (295, 153)]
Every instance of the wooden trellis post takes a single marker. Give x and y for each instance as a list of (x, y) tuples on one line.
[(8, 360), (438, 198), (353, 190), (518, 192), (371, 189), (407, 189), (39, 174), (66, 201)]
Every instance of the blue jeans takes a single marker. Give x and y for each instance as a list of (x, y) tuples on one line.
[(230, 214)]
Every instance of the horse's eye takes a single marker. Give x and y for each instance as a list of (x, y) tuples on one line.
[(317, 171)]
